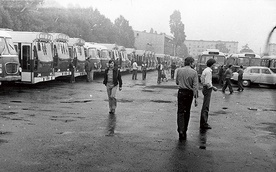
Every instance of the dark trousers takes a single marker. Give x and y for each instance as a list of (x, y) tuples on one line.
[(159, 76), (185, 99), (228, 84), (144, 74), (134, 74), (240, 86), (172, 74), (205, 106)]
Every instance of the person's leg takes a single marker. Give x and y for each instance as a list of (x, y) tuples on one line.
[(135, 74), (205, 107), (109, 89), (113, 99), (230, 85)]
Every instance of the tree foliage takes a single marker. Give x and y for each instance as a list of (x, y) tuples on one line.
[(177, 29), (222, 47), (85, 23)]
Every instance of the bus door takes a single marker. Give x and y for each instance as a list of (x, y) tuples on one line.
[(26, 62)]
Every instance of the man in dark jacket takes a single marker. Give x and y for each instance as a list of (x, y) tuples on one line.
[(112, 78), (228, 75)]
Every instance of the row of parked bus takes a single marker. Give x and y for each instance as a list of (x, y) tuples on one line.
[(33, 57), (236, 60)]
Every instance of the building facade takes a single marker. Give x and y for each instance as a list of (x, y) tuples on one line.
[(195, 47), (272, 49), (158, 43)]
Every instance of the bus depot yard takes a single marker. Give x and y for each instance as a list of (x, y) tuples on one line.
[(56, 126)]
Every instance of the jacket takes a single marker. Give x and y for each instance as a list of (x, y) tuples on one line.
[(117, 79)]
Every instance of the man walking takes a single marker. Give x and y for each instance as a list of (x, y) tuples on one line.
[(228, 75), (187, 81), (173, 67), (206, 80), (240, 76)]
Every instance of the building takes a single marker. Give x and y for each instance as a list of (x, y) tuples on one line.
[(272, 49), (195, 47), (158, 43)]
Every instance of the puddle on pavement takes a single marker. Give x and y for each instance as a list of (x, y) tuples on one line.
[(148, 90), (163, 86), (220, 112), (124, 100), (16, 101), (161, 101), (5, 132), (3, 141), (270, 127)]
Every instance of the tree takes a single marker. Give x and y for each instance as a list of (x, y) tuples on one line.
[(177, 29), (246, 49), (125, 32), (222, 47)]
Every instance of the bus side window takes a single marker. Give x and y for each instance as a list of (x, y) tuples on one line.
[(35, 58), (26, 57)]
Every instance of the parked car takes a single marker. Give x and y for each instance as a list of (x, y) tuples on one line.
[(258, 75)]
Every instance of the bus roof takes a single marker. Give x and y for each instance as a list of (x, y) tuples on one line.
[(110, 46), (4, 34), (252, 55), (140, 52), (130, 50), (60, 37), (28, 37), (212, 52), (160, 55), (76, 41), (269, 57), (94, 45)]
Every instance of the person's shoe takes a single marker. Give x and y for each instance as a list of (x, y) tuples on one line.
[(231, 92), (223, 91)]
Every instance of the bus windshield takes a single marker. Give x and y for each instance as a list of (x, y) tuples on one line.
[(80, 53), (104, 54), (219, 59), (11, 46), (92, 53), (44, 52)]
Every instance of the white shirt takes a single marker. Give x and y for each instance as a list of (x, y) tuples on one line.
[(134, 66), (206, 77)]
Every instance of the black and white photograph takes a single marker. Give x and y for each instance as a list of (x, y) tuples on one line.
[(137, 85)]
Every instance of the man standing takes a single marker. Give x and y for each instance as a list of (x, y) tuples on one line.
[(144, 70), (87, 69), (134, 70), (72, 70), (240, 76), (228, 75), (173, 67), (206, 80), (187, 81), (112, 78)]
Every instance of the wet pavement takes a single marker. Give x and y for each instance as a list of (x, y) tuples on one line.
[(58, 126)]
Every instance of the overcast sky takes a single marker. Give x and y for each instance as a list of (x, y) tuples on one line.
[(244, 21)]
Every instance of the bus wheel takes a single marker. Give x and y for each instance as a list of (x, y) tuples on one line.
[(246, 83)]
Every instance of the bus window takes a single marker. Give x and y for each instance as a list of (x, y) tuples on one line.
[(2, 45)]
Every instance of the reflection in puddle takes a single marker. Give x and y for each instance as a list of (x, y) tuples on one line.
[(202, 138), (111, 125)]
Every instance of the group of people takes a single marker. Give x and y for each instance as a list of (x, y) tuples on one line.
[(187, 80), (226, 75)]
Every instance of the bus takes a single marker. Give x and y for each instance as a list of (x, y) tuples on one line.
[(9, 61), (243, 59), (35, 56), (93, 53), (269, 61), (113, 51), (76, 52), (61, 54), (205, 56), (124, 62)]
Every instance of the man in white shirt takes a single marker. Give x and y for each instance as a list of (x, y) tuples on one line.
[(134, 70), (206, 80)]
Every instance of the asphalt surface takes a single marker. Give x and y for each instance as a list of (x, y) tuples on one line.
[(60, 126)]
